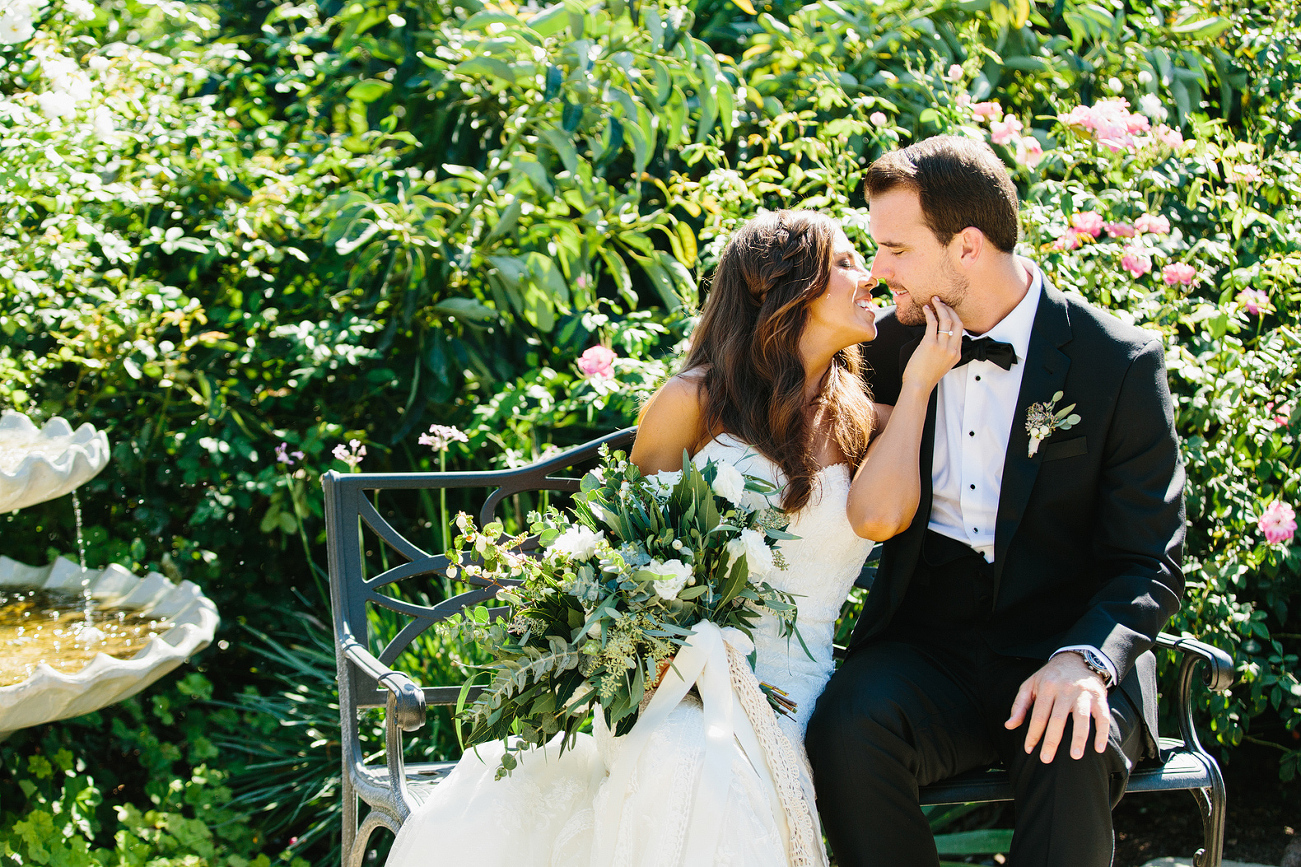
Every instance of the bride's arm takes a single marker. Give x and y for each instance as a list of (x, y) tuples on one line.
[(886, 489), (669, 423)]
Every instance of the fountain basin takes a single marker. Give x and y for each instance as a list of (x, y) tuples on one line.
[(39, 464), (48, 694)]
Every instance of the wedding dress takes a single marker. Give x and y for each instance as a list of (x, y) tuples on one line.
[(704, 778)]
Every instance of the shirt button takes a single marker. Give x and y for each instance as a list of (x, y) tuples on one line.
[(971, 433), (973, 487), (975, 529), (977, 379)]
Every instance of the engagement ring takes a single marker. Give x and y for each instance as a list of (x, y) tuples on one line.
[(950, 333)]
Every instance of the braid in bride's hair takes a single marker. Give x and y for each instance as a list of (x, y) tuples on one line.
[(747, 343)]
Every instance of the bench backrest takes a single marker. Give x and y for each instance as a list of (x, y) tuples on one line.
[(350, 513)]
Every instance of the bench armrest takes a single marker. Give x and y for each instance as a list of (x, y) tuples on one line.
[(406, 700), (1218, 676)]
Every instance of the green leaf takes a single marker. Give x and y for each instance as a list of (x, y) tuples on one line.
[(477, 67), (465, 308), (369, 90), (1201, 28)]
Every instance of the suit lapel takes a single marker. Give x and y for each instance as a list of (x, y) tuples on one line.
[(1046, 367)]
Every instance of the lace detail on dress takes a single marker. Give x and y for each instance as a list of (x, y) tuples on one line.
[(804, 848)]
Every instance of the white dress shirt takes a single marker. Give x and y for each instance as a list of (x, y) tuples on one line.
[(973, 423)]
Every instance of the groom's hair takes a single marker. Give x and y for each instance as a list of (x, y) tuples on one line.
[(960, 183)]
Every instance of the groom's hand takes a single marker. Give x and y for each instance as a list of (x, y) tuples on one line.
[(1063, 689)]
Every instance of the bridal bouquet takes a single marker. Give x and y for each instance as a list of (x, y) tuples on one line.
[(622, 578)]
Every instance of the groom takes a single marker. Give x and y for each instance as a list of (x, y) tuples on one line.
[(1012, 621)]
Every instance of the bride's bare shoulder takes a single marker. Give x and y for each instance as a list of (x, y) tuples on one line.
[(671, 421)]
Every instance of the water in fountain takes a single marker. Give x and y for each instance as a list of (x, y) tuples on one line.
[(90, 634), (35, 628)]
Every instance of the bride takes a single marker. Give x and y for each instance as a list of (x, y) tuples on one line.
[(771, 385)]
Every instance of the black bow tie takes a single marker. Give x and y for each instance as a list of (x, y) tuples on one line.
[(987, 349)]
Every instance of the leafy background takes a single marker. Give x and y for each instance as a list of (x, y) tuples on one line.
[(235, 225)]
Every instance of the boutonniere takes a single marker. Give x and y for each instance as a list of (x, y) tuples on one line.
[(1041, 419)]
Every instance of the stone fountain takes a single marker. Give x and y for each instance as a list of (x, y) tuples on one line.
[(73, 640)]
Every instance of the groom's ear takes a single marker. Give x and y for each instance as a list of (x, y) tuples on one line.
[(969, 246)]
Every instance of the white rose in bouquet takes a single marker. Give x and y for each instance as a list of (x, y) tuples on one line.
[(758, 556), (578, 542), (729, 483), (675, 575), (661, 484)]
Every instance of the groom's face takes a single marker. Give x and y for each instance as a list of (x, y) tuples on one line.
[(909, 258)]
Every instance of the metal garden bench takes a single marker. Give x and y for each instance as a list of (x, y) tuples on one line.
[(391, 790)]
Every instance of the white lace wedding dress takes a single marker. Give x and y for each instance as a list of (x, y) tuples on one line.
[(694, 783)]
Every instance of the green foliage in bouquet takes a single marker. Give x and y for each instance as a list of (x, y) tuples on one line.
[(622, 579)]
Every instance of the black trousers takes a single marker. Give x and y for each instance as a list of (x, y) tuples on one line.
[(928, 701)]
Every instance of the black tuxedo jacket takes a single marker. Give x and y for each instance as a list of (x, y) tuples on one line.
[(1090, 530)]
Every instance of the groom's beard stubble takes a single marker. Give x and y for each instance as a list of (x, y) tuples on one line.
[(952, 293)]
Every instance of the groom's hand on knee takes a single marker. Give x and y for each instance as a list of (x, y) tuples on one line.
[(1063, 689)]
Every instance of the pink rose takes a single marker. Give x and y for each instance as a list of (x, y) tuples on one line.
[(963, 100), (1254, 300), (1171, 138), (1088, 222), (1029, 152), (1152, 223), (955, 73), (597, 362), (1121, 230), (1180, 272), (1068, 241), (1136, 263), (987, 109), (878, 118), (1002, 132), (1277, 522)]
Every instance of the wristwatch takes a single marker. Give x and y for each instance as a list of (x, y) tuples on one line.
[(1094, 664)]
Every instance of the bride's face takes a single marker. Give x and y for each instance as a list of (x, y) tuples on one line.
[(844, 313)]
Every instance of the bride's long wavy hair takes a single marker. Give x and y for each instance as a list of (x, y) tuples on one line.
[(747, 346)]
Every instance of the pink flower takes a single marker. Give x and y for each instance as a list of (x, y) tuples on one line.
[(1109, 121), (283, 455), (1136, 263), (1283, 415), (582, 282), (1002, 132), (878, 118), (1152, 223), (1068, 241), (1029, 152), (441, 436), (1254, 300), (1247, 172), (1171, 138), (1088, 223), (597, 362), (963, 100), (1180, 272), (350, 454), (1120, 230), (1277, 522), (955, 73), (987, 109)]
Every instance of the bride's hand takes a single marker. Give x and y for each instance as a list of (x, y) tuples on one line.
[(940, 348)]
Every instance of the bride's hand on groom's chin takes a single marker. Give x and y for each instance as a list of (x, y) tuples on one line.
[(1064, 689)]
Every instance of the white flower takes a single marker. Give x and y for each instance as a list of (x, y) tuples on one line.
[(15, 26), (57, 103), (83, 9), (675, 574), (662, 483), (578, 542), (1150, 105), (758, 556), (729, 483), (1115, 85), (1144, 77)]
